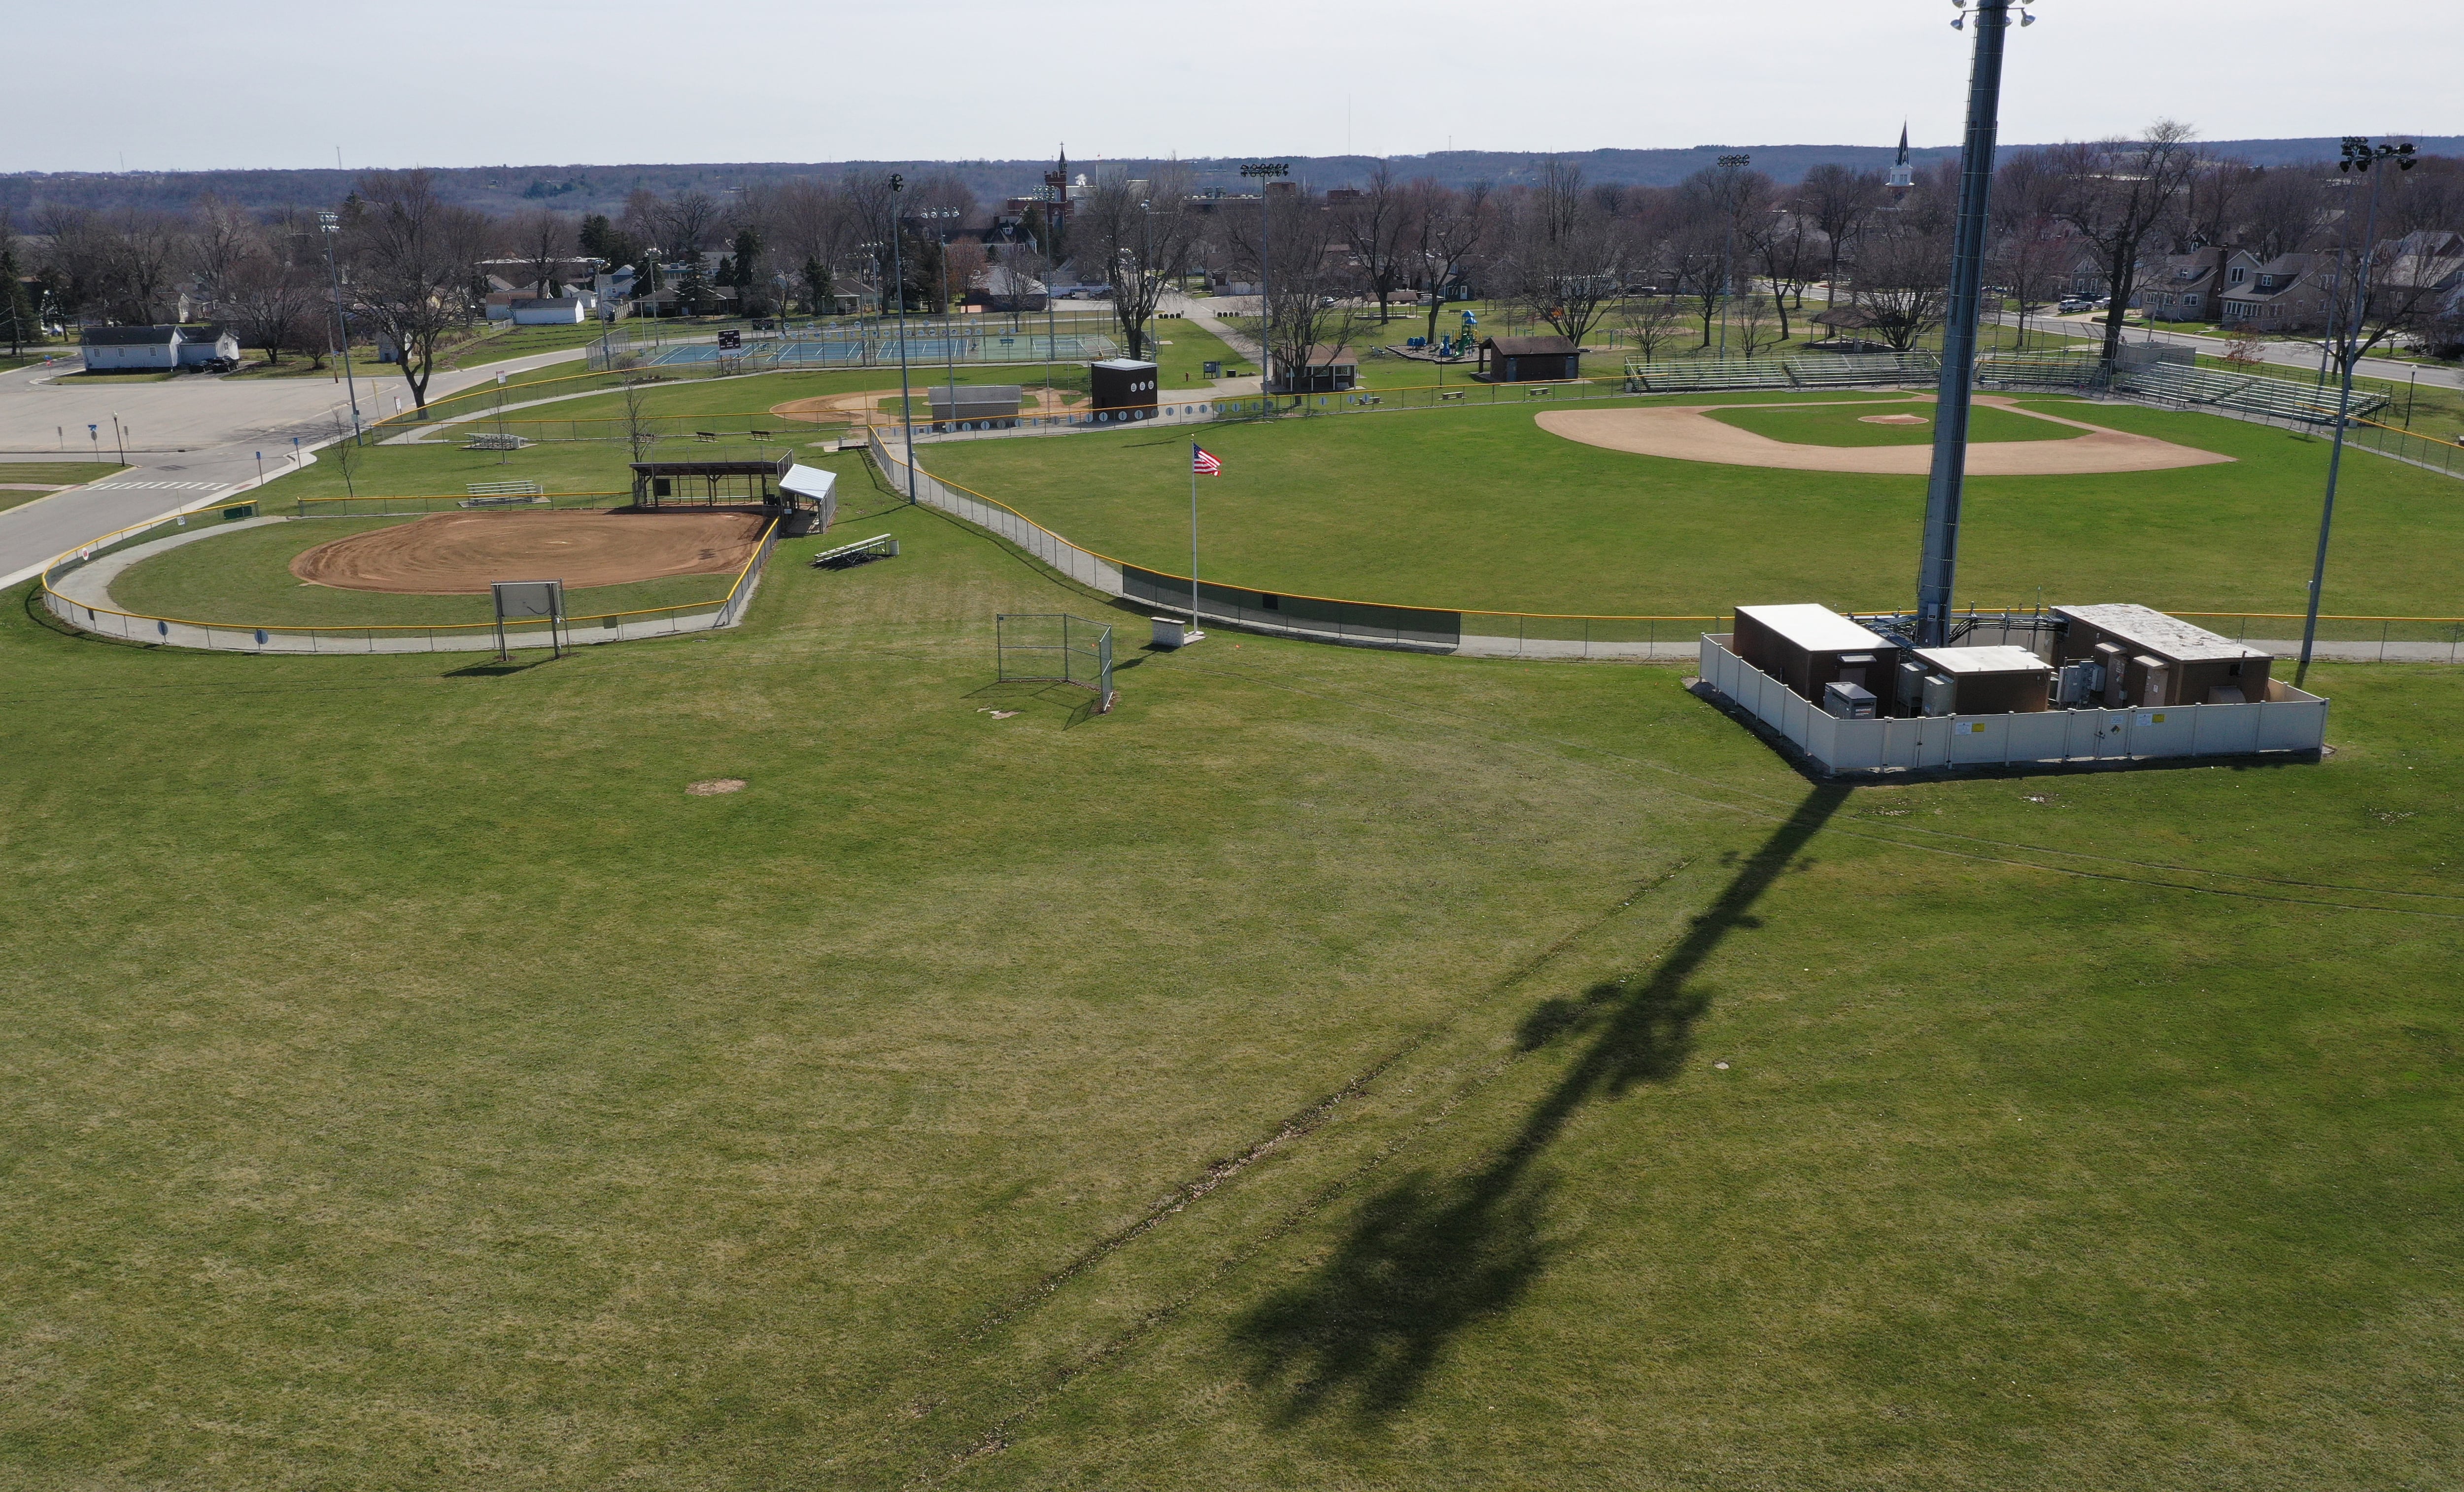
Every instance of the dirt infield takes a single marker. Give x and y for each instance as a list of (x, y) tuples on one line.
[(461, 554), (1683, 432), (823, 409)]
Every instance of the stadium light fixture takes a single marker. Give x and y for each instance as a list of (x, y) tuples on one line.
[(1264, 172), (327, 226), (1733, 165), (2345, 340)]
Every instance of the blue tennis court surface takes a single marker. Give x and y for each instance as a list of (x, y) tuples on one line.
[(849, 352)]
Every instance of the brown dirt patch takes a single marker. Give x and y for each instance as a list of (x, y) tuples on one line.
[(1890, 419), (461, 554), (1684, 432), (828, 409), (714, 786)]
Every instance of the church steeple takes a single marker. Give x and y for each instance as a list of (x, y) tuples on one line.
[(1902, 175)]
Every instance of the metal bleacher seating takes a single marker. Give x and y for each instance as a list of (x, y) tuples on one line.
[(2060, 369), (504, 494), (2253, 393), (1842, 371)]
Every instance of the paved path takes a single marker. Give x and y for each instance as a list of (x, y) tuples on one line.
[(190, 442)]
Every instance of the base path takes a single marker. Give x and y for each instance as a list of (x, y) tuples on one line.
[(461, 554), (1686, 433)]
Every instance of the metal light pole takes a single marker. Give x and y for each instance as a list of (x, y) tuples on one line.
[(1940, 567), (329, 226), (899, 275), (1730, 163), (949, 341), (2359, 155), (1265, 172)]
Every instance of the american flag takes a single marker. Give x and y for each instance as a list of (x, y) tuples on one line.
[(1201, 463)]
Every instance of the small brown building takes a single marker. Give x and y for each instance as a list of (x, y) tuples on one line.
[(1996, 680), (1808, 647), (1529, 360), (1326, 371), (2152, 659)]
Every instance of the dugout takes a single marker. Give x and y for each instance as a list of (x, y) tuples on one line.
[(740, 479), (1323, 370), (1124, 387), (1809, 647), (1529, 360), (2150, 658)]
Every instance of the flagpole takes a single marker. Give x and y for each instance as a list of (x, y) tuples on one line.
[(1193, 540)]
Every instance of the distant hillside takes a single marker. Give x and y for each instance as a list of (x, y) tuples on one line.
[(603, 188)]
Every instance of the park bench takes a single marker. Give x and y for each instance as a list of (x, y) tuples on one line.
[(880, 546), (1452, 393), (705, 434)]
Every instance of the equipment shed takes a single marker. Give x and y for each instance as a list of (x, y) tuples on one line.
[(1996, 680), (1529, 360), (2152, 659), (1808, 647)]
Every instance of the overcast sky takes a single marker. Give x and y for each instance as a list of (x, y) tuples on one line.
[(172, 84)]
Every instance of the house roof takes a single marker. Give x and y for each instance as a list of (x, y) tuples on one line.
[(126, 336), (1816, 628), (203, 332), (1322, 356), (1529, 346)]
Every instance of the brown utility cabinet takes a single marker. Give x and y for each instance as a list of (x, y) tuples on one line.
[(2151, 659), (1996, 680), (1808, 647)]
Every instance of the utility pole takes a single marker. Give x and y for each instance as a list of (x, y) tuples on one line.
[(898, 275), (1730, 163), (2359, 155), (1939, 569), (329, 226), (1264, 173)]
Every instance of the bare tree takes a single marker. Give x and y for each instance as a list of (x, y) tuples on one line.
[(2028, 256), (542, 239), (683, 221), (1903, 281), (1377, 225), (641, 437), (1791, 251), (1652, 321), (2114, 192), (271, 301), (1840, 200), (220, 235), (1566, 265), (874, 209), (1454, 227), (345, 453), (2282, 211), (1754, 321), (413, 254), (1141, 231), (1301, 311)]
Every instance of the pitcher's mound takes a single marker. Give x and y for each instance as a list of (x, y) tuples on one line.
[(1890, 419), (461, 554), (1683, 432)]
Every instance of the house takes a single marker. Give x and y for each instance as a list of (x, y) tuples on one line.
[(121, 349), (1001, 288), (527, 307), (1324, 370), (1529, 360), (2291, 292), (2183, 287)]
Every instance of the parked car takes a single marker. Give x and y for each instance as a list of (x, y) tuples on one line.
[(2072, 305)]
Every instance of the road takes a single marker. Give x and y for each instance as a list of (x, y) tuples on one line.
[(2294, 357), (190, 442)]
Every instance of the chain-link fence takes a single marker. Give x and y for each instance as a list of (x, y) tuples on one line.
[(1055, 646)]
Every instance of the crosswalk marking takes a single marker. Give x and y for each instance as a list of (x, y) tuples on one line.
[(130, 487)]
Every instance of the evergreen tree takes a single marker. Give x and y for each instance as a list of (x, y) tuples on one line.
[(17, 306)]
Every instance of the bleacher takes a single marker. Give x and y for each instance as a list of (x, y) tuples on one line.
[(504, 494), (1847, 371), (2254, 393), (2038, 370)]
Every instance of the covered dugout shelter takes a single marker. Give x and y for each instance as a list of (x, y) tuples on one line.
[(732, 479), (1529, 360)]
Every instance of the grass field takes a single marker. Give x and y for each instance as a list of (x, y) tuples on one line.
[(1480, 508), (245, 579), (48, 473), (1832, 426), (1331, 1069)]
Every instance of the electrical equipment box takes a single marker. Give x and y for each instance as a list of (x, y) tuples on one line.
[(2191, 664), (2111, 676), (1941, 695), (2000, 679), (1808, 647), (1848, 701)]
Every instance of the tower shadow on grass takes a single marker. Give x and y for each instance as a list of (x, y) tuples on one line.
[(1432, 1254)]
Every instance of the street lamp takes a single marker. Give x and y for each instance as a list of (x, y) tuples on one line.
[(328, 226), (1733, 165), (2344, 338), (1264, 173)]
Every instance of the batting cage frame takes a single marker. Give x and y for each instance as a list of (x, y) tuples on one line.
[(1057, 647)]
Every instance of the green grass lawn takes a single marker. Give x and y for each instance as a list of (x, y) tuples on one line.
[(1480, 508), (245, 579), (1830, 425), (49, 473), (1331, 1069)]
